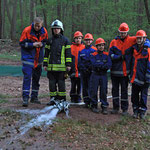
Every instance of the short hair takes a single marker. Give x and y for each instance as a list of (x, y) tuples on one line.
[(38, 20)]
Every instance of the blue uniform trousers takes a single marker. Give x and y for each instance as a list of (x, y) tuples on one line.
[(96, 81), (123, 81), (139, 103), (31, 74), (75, 92), (85, 82)]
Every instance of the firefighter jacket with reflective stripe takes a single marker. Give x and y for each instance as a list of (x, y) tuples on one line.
[(140, 73), (75, 51), (57, 53), (84, 63), (29, 53), (101, 62), (120, 52)]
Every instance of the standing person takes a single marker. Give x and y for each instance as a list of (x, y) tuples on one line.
[(121, 55), (57, 61), (32, 44), (84, 66), (75, 92), (140, 76), (101, 62)]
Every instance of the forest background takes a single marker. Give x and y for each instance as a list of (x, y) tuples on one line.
[(99, 17)]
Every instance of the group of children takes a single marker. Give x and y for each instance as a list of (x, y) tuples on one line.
[(127, 57), (128, 60)]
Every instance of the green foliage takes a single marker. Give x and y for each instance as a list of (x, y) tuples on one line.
[(99, 17)]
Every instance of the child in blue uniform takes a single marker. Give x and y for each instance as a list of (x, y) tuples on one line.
[(101, 62)]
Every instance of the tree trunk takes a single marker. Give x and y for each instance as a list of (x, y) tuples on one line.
[(147, 10), (31, 11), (21, 13), (8, 13), (59, 9), (13, 21), (3, 20), (73, 19), (0, 19), (44, 13)]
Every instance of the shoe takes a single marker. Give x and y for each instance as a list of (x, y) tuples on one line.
[(135, 114), (114, 111), (25, 102), (87, 105), (95, 110), (142, 114), (35, 100), (104, 111), (124, 112)]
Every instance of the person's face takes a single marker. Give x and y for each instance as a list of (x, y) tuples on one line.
[(123, 35), (88, 42), (100, 47), (56, 31), (140, 40), (78, 40), (37, 26)]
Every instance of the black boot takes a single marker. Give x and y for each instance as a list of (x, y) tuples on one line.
[(135, 114), (35, 100), (104, 111), (51, 102), (114, 111), (142, 114), (94, 108), (25, 102)]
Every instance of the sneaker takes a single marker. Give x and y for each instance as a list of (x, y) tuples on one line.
[(124, 112), (104, 111), (25, 102), (95, 110), (35, 100), (114, 111)]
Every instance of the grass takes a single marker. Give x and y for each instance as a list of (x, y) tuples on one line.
[(127, 134), (13, 56)]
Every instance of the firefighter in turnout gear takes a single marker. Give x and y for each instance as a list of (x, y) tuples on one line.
[(140, 75), (84, 66), (75, 92), (101, 62), (32, 44), (57, 61)]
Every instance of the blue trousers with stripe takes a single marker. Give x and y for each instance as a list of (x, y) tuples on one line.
[(31, 75)]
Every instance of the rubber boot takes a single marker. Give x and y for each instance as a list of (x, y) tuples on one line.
[(51, 102), (94, 108)]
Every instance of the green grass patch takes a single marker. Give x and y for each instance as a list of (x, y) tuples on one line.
[(127, 134), (13, 56)]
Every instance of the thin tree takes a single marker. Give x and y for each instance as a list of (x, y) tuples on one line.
[(147, 10), (0, 19)]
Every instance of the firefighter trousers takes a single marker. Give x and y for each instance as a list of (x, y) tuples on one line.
[(57, 84)]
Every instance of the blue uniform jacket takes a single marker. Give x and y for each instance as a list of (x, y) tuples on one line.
[(101, 62), (140, 73), (84, 55)]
